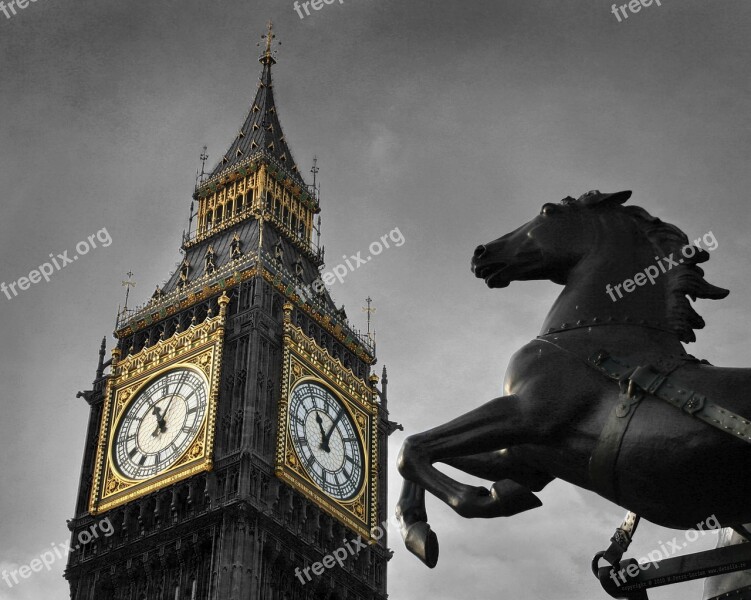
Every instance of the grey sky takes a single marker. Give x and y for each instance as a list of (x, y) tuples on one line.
[(453, 121)]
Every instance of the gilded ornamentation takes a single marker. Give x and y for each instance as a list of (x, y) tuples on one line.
[(199, 346), (304, 358)]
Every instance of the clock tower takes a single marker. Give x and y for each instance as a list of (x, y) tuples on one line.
[(237, 436)]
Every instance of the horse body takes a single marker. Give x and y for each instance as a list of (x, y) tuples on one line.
[(671, 469), (574, 401)]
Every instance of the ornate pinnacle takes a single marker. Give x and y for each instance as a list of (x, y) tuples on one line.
[(268, 57)]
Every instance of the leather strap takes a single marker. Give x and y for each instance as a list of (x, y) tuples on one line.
[(604, 458), (649, 380)]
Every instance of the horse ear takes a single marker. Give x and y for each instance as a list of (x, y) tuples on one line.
[(596, 197), (618, 197)]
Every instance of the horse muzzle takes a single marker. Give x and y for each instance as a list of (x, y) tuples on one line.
[(491, 272)]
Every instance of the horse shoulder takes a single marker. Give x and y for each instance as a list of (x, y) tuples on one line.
[(541, 373)]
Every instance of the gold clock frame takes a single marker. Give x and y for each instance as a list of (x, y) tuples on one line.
[(304, 360), (198, 348)]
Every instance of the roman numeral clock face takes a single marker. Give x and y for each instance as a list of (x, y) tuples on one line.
[(326, 440), (160, 424)]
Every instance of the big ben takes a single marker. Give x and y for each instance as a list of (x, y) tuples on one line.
[(237, 435)]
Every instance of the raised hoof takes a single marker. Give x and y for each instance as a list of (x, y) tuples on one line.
[(422, 542), (513, 498)]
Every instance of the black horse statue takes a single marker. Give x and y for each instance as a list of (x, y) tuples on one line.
[(667, 465)]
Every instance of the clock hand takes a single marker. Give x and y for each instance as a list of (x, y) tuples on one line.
[(161, 424), (183, 377), (324, 441), (333, 426), (164, 416)]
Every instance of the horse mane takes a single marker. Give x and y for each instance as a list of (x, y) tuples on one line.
[(682, 282)]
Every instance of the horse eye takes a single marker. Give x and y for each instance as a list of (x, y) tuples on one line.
[(548, 209)]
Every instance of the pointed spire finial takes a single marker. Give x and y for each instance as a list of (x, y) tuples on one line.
[(370, 310), (268, 55), (315, 188), (129, 283)]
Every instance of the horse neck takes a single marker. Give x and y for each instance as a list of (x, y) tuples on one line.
[(639, 318)]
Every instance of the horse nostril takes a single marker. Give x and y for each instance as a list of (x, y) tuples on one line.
[(480, 251)]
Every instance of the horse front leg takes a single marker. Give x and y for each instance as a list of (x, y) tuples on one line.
[(497, 424), (479, 437), (498, 466), (501, 464)]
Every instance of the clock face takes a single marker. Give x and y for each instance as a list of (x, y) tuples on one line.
[(160, 424), (326, 440)]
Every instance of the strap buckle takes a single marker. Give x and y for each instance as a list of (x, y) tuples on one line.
[(619, 543), (647, 379)]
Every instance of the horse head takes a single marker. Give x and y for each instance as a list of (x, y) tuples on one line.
[(547, 247), (603, 252)]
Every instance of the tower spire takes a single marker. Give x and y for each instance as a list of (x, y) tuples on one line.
[(261, 133)]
